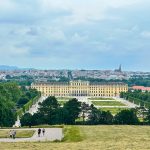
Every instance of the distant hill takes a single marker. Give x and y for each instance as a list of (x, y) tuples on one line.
[(5, 67), (11, 68)]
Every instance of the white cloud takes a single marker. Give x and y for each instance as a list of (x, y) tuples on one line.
[(77, 28), (86, 10), (7, 4)]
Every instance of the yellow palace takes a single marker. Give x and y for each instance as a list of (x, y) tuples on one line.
[(80, 88)]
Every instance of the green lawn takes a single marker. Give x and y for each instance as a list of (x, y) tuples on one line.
[(63, 98), (93, 138), (72, 134), (19, 133), (45, 126), (62, 102), (107, 103), (113, 110), (100, 98)]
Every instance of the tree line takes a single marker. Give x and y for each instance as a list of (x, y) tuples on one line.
[(131, 81), (138, 97), (74, 112), (12, 97), (140, 81)]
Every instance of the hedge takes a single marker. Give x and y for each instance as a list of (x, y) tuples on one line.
[(138, 101), (27, 106)]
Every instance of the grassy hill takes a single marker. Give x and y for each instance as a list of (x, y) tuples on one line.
[(93, 138)]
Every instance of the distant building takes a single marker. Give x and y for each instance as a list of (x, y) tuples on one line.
[(80, 88), (142, 88), (119, 70)]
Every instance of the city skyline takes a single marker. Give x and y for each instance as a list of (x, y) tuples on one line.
[(13, 68), (64, 34)]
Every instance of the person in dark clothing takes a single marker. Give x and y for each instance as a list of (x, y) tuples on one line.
[(13, 134), (39, 132), (10, 134), (43, 130)]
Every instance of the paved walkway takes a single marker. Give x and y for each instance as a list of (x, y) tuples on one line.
[(129, 104), (35, 107), (51, 134), (84, 99), (111, 106)]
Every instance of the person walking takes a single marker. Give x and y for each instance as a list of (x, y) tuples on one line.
[(43, 130), (10, 133), (39, 132), (13, 134)]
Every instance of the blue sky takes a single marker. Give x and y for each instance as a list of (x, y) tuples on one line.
[(75, 34)]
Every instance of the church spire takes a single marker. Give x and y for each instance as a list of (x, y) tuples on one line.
[(120, 69)]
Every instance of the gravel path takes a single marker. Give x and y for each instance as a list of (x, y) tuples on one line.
[(84, 99), (111, 106), (51, 134), (35, 107), (103, 100), (129, 104)]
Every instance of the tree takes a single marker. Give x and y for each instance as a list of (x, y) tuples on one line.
[(26, 120), (73, 107), (14, 91), (48, 109), (85, 110), (106, 117), (7, 114), (126, 117), (10, 96), (38, 119), (22, 101), (100, 117), (31, 93), (61, 116), (122, 95), (94, 115)]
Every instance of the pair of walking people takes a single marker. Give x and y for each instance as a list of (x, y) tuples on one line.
[(41, 131), (12, 134)]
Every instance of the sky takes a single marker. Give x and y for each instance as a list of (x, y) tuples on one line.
[(75, 34)]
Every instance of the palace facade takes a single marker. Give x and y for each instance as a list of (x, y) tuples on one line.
[(80, 88)]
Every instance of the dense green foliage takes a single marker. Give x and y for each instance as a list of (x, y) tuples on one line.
[(97, 116), (138, 97), (131, 82), (72, 107), (139, 81), (143, 100), (50, 112), (12, 98), (74, 112), (31, 97), (9, 95), (23, 80), (27, 95), (126, 117)]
